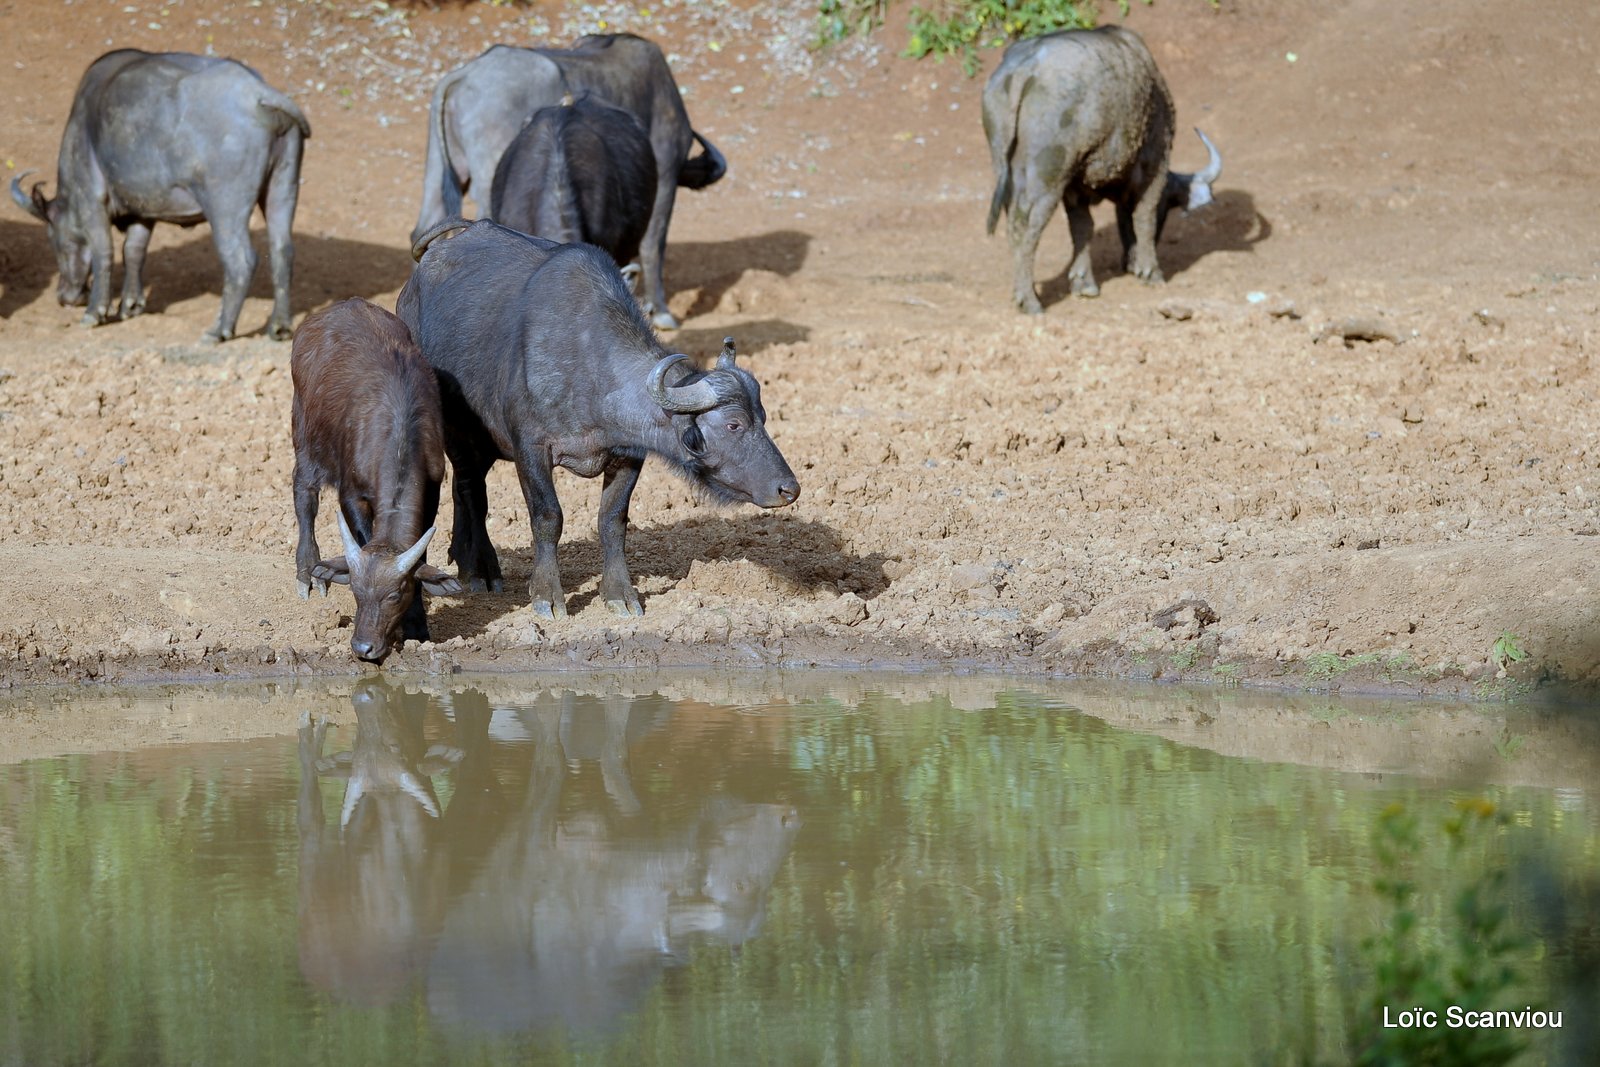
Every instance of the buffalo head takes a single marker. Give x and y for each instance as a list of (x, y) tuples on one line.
[(1190, 192), (384, 580), (66, 239), (723, 430)]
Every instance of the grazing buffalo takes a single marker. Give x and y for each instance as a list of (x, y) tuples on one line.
[(583, 171), (177, 138), (479, 107), (366, 422), (1074, 118), (544, 359)]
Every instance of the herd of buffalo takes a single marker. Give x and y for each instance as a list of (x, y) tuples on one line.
[(522, 338)]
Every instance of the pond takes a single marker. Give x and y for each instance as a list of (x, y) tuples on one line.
[(810, 869)]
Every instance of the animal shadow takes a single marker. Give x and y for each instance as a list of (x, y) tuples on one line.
[(714, 267), (751, 338), (1231, 223), (27, 265), (799, 555), (325, 269)]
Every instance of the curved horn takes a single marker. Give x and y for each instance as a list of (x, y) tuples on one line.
[(352, 797), (725, 360), (418, 792), (413, 555), (680, 399), (353, 558), (1213, 169), (33, 204)]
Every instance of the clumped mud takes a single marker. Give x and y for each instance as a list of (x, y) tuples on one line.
[(1349, 445)]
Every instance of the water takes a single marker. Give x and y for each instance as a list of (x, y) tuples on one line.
[(816, 871)]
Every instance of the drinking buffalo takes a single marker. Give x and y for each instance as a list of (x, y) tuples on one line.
[(1077, 117), (479, 107), (178, 138), (579, 172), (366, 421), (545, 359)]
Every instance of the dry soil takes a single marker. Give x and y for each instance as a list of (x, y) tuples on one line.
[(1204, 480)]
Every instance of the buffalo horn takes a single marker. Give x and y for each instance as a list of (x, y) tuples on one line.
[(1213, 169), (30, 204), (680, 399), (725, 360), (411, 556), (352, 551)]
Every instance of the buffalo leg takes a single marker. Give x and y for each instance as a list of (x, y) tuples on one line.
[(477, 565), (414, 625), (307, 555), (1080, 273), (283, 193), (134, 247), (102, 251), (231, 234), (1026, 223), (616, 586), (1125, 232), (653, 254), (1145, 217), (544, 514)]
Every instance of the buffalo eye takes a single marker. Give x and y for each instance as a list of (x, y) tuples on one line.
[(734, 426), (693, 441)]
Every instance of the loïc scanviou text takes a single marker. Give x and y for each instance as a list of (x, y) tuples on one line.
[(1456, 1017)]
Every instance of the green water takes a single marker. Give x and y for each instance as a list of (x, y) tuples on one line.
[(520, 874)]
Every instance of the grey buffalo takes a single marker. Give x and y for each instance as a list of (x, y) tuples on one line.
[(579, 172), (479, 107), (544, 359), (1074, 118), (175, 138)]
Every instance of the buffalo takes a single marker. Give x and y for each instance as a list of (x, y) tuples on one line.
[(178, 138), (479, 107), (1077, 117), (366, 421), (583, 171), (545, 359)]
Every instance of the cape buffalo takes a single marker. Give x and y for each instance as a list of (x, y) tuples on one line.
[(1077, 117), (479, 107), (544, 359), (366, 422), (579, 172), (171, 137)]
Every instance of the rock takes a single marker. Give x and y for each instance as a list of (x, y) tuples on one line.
[(1177, 312), (971, 576)]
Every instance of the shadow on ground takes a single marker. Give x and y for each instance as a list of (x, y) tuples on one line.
[(1230, 224), (27, 265), (714, 267), (801, 555)]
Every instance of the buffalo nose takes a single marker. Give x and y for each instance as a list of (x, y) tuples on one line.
[(365, 650), (789, 492)]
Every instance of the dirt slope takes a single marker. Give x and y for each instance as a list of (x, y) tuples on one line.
[(979, 488)]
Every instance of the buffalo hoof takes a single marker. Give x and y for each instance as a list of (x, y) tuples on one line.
[(279, 331), (664, 320), (305, 590), (1084, 287), (629, 608), (485, 585), (212, 337), (546, 610), (93, 318), (1030, 305), (132, 309)]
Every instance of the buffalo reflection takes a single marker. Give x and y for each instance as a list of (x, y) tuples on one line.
[(524, 902)]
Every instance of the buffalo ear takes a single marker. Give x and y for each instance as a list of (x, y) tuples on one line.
[(333, 569), (436, 582), (694, 441)]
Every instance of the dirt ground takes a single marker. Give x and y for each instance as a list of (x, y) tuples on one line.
[(1199, 481)]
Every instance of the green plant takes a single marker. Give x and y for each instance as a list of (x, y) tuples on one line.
[(1227, 673), (838, 19), (1471, 971), (1509, 744), (1507, 649), (1184, 658), (961, 27)]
